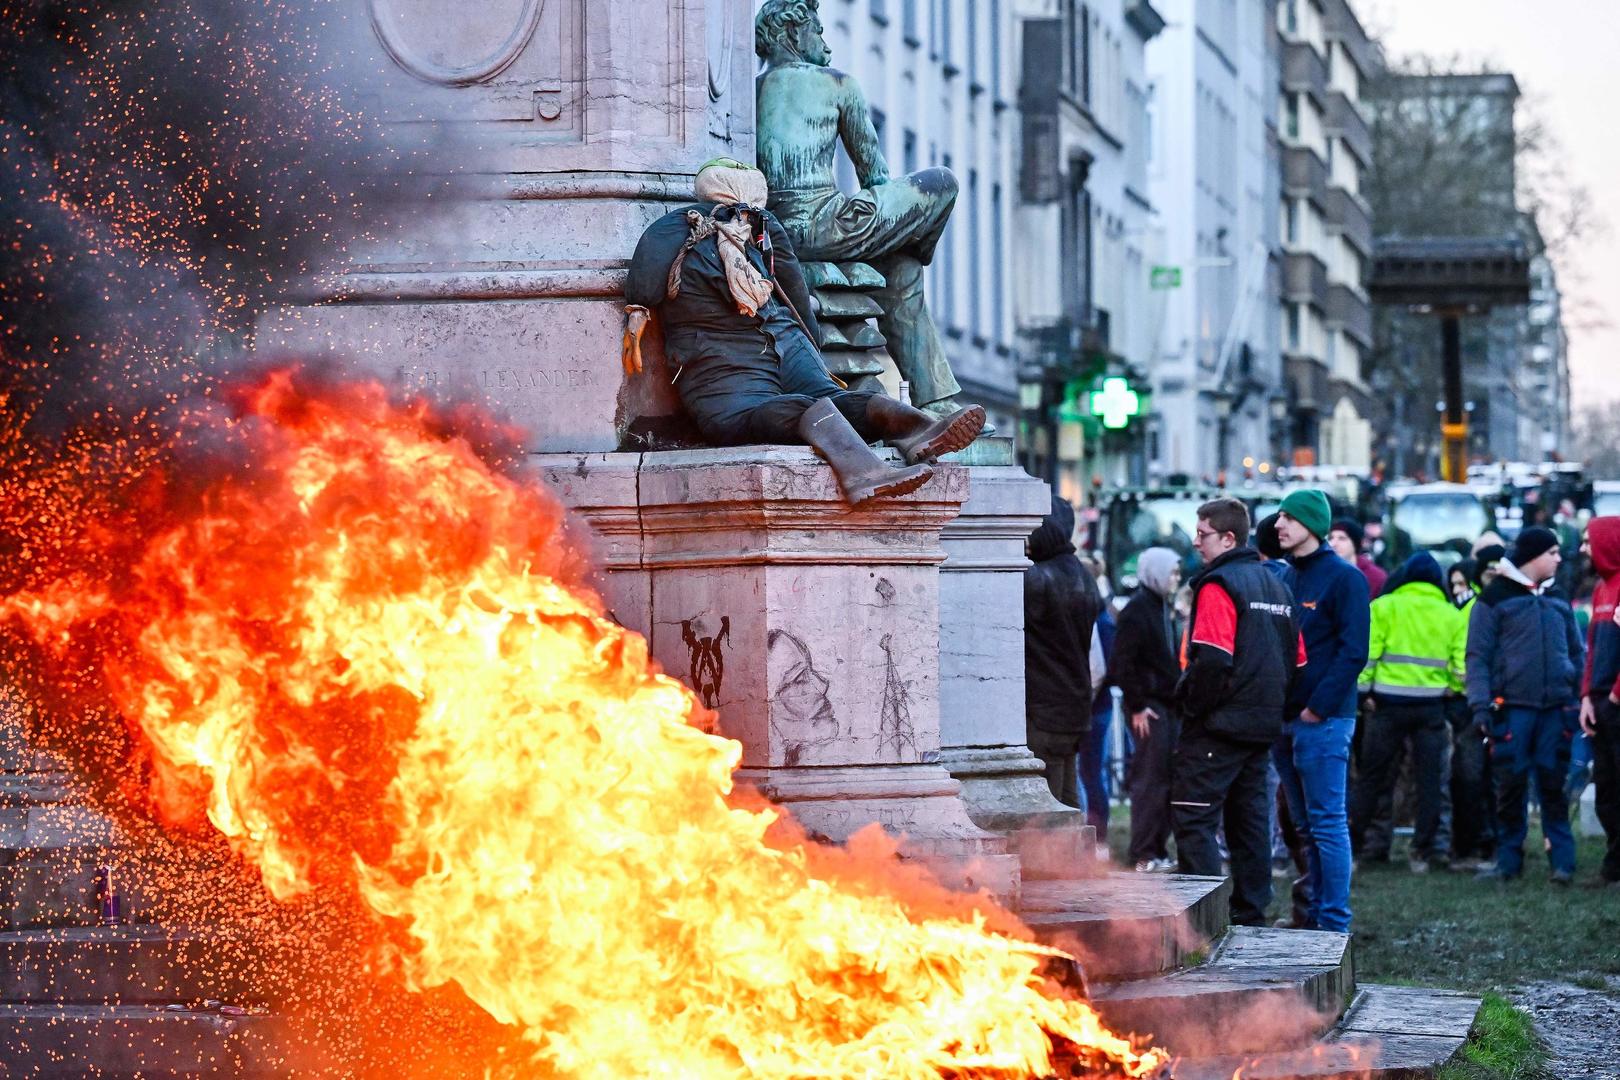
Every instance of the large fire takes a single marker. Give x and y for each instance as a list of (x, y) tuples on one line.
[(367, 657)]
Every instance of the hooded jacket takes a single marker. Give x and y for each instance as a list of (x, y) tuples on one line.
[(1602, 678), (1419, 643), (1524, 648), (1143, 663), (1061, 605)]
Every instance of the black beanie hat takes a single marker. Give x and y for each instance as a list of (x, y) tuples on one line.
[(1532, 543), (1351, 529), (1265, 538)]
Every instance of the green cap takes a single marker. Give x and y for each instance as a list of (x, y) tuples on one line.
[(1311, 509)]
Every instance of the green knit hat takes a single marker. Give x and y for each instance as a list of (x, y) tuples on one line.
[(1311, 509)]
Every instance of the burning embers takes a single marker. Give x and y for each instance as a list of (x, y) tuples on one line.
[(368, 660)]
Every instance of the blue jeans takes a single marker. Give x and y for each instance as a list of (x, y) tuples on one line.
[(1313, 761), (1526, 741)]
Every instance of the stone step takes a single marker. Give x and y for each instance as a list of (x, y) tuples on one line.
[(1127, 925), (1389, 1033), (36, 788), (112, 965), (48, 826), (57, 887), (124, 1042), (1262, 990)]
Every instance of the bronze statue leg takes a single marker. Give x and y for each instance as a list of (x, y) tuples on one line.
[(913, 339)]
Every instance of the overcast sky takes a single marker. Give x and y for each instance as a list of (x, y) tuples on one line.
[(1564, 55)]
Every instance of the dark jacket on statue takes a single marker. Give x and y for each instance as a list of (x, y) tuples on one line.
[(702, 320), (1143, 664), (1061, 605)]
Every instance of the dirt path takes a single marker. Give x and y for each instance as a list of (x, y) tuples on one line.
[(1581, 1027)]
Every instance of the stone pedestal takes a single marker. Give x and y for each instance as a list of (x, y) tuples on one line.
[(570, 125), (981, 667), (813, 630)]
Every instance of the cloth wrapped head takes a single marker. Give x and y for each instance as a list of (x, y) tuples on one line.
[(731, 183), (740, 191)]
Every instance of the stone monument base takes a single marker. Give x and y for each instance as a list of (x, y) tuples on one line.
[(813, 630)]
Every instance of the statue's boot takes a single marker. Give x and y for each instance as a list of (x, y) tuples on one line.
[(862, 475), (922, 436)]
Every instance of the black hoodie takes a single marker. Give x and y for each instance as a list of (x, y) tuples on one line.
[(1061, 605)]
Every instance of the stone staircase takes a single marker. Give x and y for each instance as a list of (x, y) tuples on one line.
[(142, 1000), (1275, 1004), (80, 997)]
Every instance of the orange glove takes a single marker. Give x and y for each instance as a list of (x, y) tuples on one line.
[(636, 318)]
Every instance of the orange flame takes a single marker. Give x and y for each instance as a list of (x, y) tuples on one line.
[(368, 658)]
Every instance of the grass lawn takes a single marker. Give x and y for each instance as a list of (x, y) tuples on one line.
[(1444, 929), (1447, 930)]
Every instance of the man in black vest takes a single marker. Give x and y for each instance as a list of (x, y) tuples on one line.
[(1240, 655)]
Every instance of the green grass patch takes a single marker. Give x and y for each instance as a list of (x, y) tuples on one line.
[(1503, 1046), (1444, 929)]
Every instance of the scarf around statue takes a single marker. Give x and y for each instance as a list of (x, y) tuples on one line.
[(740, 191)]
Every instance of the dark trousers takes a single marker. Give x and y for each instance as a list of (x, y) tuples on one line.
[(1473, 807), (1606, 782), (738, 399), (1525, 743), (1057, 751), (1094, 767), (1150, 786), (1424, 722), (1215, 780), (1299, 850)]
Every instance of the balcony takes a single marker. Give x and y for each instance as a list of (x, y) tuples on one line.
[(1304, 70), (1349, 312), (1345, 120), (1308, 383), (1345, 213), (1305, 279), (1305, 176)]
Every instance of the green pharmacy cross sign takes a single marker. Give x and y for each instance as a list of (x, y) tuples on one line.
[(1116, 403)]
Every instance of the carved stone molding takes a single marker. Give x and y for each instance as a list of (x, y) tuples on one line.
[(386, 20)]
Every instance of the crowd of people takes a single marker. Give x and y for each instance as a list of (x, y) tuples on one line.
[(1274, 702)]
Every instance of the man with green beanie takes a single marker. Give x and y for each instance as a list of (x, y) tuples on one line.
[(1313, 754)]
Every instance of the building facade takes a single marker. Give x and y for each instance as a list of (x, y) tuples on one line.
[(1326, 233), (1085, 239), (939, 75), (1215, 180)]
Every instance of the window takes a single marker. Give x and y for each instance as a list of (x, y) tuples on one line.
[(1077, 50), (908, 151), (1291, 16), (975, 255), (1331, 142), (1293, 327), (995, 48), (908, 22), (1291, 228), (998, 253), (973, 43), (1291, 123), (945, 37), (880, 11)]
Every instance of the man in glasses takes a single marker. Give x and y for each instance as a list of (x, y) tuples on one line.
[(1239, 657)]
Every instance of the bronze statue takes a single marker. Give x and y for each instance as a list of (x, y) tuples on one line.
[(892, 224)]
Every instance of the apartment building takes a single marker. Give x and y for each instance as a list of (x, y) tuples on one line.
[(1215, 179), (1326, 232)]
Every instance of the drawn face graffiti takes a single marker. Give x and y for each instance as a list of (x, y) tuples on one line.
[(800, 690)]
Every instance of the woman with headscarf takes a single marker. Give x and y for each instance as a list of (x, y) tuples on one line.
[(1145, 669)]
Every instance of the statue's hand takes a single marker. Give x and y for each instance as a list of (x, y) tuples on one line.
[(636, 318)]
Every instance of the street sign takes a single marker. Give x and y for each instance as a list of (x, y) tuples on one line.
[(1165, 277), (1116, 403)]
